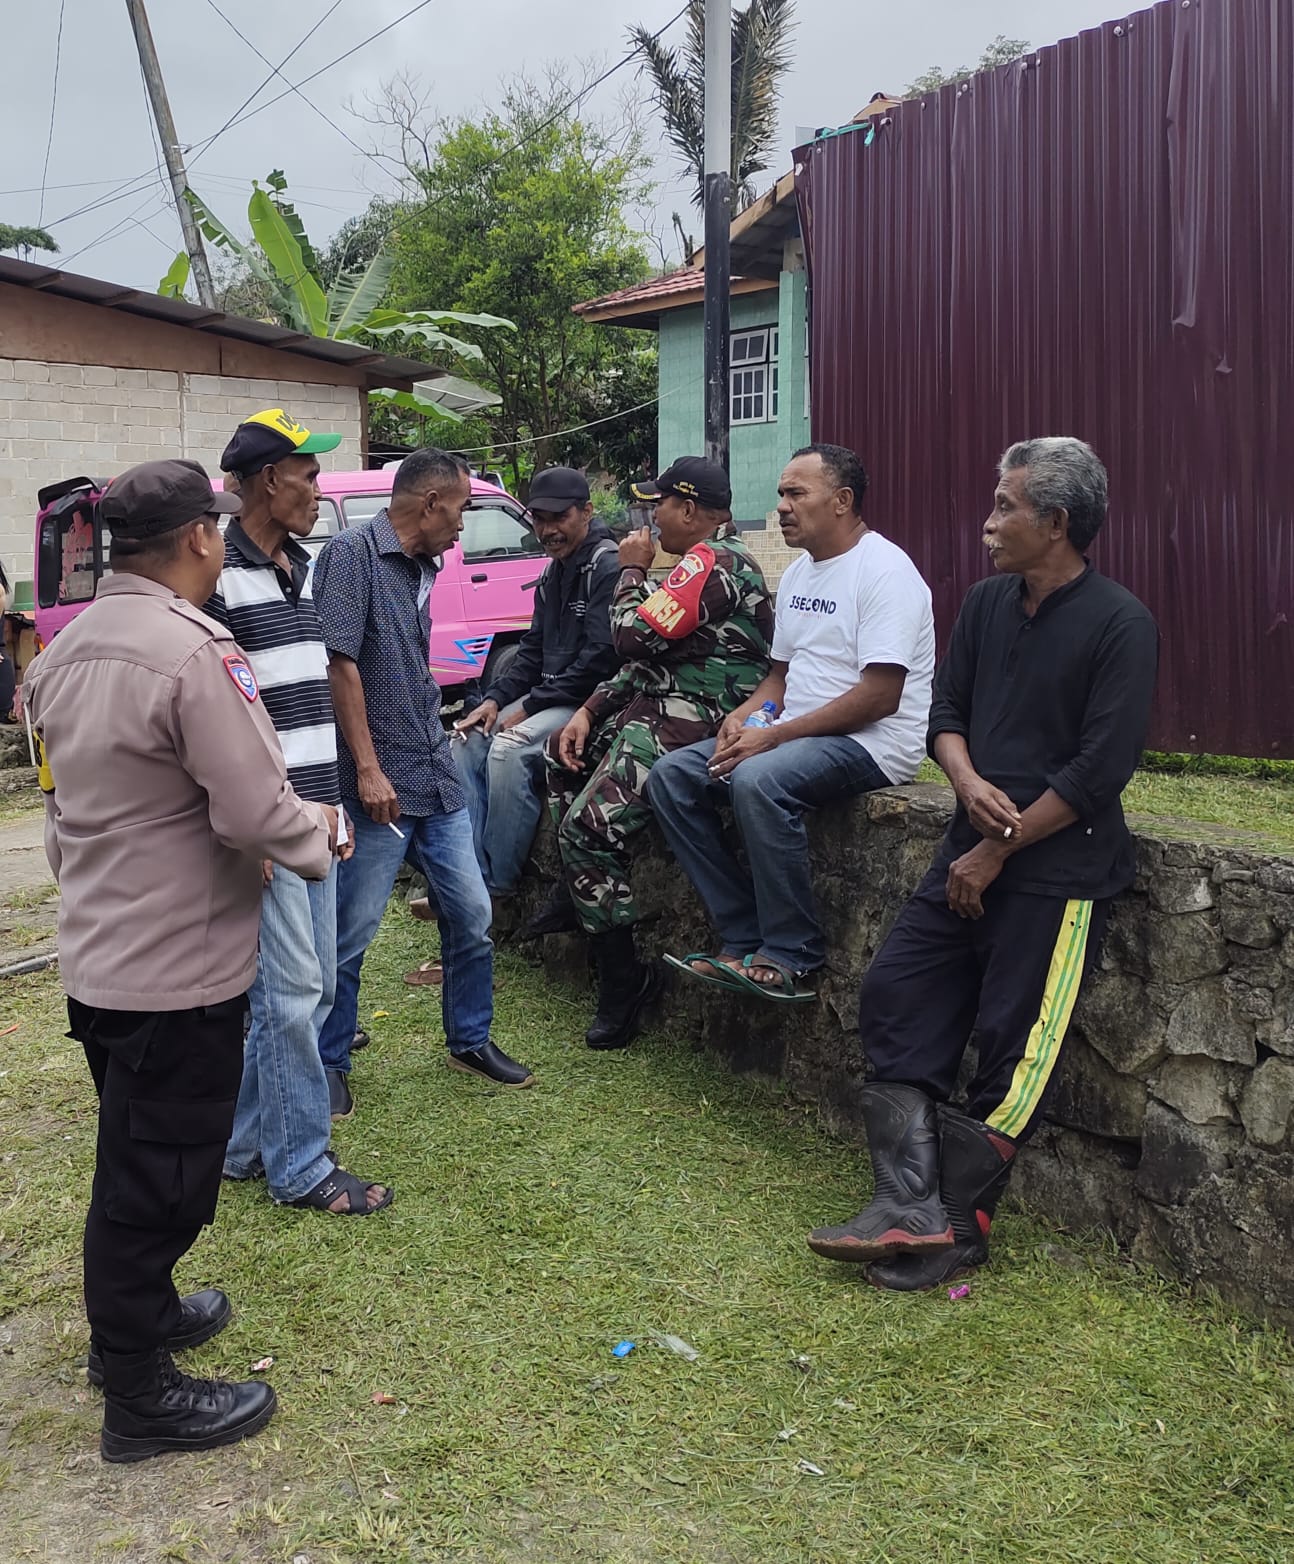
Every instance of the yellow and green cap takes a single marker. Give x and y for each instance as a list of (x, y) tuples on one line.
[(268, 437)]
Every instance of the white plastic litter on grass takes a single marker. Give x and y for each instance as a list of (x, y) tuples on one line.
[(677, 1344)]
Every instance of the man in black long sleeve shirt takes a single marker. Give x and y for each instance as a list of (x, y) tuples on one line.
[(1039, 717), (562, 658)]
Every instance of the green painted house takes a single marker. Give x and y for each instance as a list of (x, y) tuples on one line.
[(768, 350)]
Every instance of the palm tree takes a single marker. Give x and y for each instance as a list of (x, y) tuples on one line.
[(760, 55)]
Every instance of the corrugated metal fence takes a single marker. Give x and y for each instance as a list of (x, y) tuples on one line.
[(1097, 241)]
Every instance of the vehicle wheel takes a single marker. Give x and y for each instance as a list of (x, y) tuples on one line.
[(498, 662)]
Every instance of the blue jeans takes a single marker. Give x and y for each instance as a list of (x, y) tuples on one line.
[(768, 908), (503, 777), (282, 1122), (441, 847)]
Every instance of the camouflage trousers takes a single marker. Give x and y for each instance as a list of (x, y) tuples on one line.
[(600, 810)]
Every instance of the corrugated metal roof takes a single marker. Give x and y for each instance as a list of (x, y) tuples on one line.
[(1096, 240), (380, 369)]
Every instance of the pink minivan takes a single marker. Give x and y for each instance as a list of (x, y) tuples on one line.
[(480, 607)]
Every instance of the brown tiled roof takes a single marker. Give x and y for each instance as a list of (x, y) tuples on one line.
[(685, 280), (641, 304)]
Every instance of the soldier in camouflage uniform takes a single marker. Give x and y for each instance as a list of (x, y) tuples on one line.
[(694, 648)]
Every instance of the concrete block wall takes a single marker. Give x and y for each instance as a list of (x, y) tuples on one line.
[(1171, 1121), (60, 420)]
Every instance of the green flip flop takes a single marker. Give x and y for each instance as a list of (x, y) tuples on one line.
[(786, 991), (720, 975)]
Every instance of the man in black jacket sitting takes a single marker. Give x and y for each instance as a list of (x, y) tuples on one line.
[(564, 655)]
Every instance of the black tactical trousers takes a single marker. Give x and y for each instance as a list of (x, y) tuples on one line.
[(167, 1083)]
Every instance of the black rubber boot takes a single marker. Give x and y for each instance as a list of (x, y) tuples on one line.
[(202, 1316), (626, 986), (150, 1408), (906, 1215), (974, 1166), (556, 916)]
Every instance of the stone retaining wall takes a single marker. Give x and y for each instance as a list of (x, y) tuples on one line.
[(1172, 1122)]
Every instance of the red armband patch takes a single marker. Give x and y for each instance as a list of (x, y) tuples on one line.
[(674, 609), (238, 670)]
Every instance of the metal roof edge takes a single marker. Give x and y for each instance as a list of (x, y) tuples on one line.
[(378, 368)]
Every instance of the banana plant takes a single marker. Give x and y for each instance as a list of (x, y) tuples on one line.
[(283, 260), (172, 286)]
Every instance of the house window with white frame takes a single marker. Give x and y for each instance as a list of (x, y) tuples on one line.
[(753, 377)]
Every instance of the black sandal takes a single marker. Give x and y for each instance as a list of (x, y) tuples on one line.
[(340, 1182)]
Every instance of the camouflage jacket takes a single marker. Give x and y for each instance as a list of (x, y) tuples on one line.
[(700, 639)]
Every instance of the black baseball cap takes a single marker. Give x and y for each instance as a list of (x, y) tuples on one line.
[(691, 478), (268, 437), (157, 497), (556, 489)]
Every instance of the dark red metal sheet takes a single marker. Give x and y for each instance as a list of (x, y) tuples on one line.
[(1096, 241)]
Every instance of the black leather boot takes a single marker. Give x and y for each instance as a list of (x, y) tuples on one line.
[(150, 1408), (556, 916), (974, 1166), (626, 986), (202, 1316), (906, 1215)]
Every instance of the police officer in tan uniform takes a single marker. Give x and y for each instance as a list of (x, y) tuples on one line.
[(169, 789)]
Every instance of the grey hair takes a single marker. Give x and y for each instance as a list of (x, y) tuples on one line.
[(427, 468), (1063, 474)]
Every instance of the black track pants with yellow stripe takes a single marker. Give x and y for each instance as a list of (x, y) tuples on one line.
[(1011, 977)]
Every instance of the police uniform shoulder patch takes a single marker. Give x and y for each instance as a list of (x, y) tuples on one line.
[(239, 670), (673, 610)]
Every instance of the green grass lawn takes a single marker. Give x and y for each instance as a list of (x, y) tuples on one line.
[(1073, 1409), (1261, 810)]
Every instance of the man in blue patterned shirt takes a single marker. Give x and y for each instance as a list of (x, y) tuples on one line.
[(372, 588), (282, 1125)]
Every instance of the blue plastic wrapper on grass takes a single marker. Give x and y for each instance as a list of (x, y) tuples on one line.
[(622, 1349)]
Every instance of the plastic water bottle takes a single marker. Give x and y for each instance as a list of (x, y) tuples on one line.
[(765, 717)]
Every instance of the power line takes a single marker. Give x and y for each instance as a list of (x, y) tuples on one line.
[(136, 182), (123, 223), (575, 99), (558, 434), (75, 184), (309, 103), (123, 192), (206, 146), (296, 86), (53, 109)]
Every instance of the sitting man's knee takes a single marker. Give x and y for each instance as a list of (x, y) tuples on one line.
[(755, 781), (676, 771)]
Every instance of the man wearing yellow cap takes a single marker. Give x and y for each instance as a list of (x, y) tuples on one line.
[(283, 1123)]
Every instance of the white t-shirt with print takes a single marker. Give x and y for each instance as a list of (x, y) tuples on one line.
[(870, 605)]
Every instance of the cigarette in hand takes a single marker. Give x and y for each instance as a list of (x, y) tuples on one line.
[(391, 826), (1006, 835)]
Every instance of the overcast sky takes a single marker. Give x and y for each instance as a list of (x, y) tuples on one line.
[(845, 50)]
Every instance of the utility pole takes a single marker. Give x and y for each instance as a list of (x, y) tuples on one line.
[(718, 222), (171, 151)]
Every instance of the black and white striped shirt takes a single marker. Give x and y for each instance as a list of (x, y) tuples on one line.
[(272, 617)]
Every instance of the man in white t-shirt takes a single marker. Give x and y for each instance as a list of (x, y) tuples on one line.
[(853, 659)]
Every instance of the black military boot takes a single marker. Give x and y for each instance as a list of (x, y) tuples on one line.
[(556, 916), (202, 1316), (626, 986), (150, 1408), (974, 1166), (906, 1215)]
